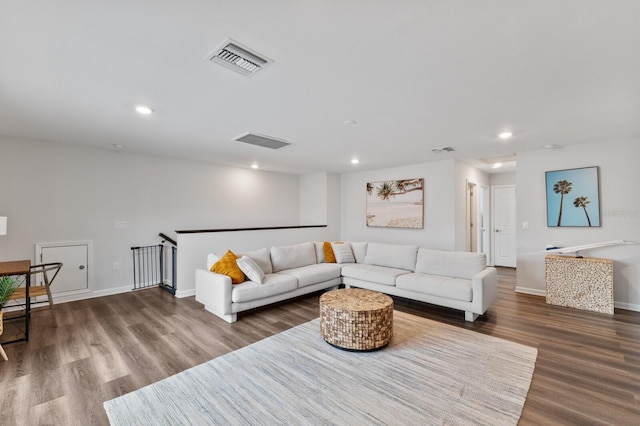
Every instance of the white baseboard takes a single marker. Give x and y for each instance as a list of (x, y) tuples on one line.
[(185, 293), (626, 306), (90, 295), (533, 291)]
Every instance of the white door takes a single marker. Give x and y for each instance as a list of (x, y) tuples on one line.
[(74, 276), (504, 225)]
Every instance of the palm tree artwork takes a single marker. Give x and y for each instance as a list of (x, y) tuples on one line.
[(395, 203), (582, 186), (582, 202), (562, 187), (387, 190)]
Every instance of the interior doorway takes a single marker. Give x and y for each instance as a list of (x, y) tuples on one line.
[(472, 218), (504, 225), (478, 211)]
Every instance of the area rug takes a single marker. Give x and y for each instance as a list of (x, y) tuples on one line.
[(430, 373)]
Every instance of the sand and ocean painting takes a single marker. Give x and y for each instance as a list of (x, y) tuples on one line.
[(396, 203)]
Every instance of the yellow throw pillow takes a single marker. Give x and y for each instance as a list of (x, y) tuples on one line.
[(328, 253), (227, 266)]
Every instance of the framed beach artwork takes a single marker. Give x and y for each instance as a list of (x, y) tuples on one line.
[(573, 197), (396, 203)]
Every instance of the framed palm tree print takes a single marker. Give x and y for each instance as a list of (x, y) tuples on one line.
[(396, 203), (573, 197)]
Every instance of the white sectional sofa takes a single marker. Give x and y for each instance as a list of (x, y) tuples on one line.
[(457, 280)]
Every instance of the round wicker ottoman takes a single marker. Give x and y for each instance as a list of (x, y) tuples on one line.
[(356, 319)]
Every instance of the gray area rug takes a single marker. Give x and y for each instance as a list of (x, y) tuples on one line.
[(430, 373)]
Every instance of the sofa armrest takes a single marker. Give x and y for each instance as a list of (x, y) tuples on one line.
[(214, 292), (485, 289)]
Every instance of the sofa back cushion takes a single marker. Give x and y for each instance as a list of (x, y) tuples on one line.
[(261, 257), (359, 251), (391, 255), (294, 256), (457, 264), (319, 246)]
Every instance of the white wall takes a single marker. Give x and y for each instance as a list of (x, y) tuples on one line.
[(57, 192), (439, 205), (319, 205), (620, 214), (508, 178), (313, 199)]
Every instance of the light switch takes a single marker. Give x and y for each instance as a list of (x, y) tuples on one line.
[(120, 224), (525, 225)]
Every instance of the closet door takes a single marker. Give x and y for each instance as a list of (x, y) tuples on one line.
[(74, 277)]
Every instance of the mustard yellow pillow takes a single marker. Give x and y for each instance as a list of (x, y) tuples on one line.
[(329, 257), (227, 266)]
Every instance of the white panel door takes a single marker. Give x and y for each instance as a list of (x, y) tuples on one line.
[(504, 225), (74, 275)]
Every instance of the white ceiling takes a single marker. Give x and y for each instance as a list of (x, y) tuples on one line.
[(414, 75)]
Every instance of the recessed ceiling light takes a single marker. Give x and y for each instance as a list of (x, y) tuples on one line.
[(254, 166), (505, 135), (350, 122), (552, 146), (496, 165), (143, 109), (355, 161), (118, 146)]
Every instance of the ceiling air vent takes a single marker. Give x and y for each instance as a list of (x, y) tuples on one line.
[(239, 58), (441, 150), (261, 140)]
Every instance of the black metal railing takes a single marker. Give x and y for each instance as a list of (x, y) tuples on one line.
[(152, 264)]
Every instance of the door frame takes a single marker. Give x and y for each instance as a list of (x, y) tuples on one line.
[(484, 215), (88, 243), (493, 223)]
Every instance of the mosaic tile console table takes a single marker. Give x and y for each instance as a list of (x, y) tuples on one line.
[(356, 319), (582, 283)]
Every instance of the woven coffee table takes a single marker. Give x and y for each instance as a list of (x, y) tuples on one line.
[(356, 319)]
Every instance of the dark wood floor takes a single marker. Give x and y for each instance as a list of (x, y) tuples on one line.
[(587, 372)]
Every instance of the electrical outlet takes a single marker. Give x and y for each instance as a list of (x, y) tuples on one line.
[(116, 266)]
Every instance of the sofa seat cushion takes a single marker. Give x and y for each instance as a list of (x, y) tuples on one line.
[(294, 256), (437, 285), (456, 264), (314, 274), (372, 273), (273, 284)]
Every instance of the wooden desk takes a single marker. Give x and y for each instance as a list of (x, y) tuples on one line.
[(19, 267)]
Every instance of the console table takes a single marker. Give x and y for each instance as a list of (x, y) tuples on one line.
[(19, 268), (580, 282)]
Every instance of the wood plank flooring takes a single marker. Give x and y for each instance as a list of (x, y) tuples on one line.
[(587, 372)]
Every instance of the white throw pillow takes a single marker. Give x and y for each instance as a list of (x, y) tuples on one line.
[(261, 257), (211, 259), (250, 269), (343, 253)]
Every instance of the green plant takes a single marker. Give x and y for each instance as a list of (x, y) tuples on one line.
[(7, 286)]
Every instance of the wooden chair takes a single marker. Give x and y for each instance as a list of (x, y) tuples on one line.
[(47, 272)]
